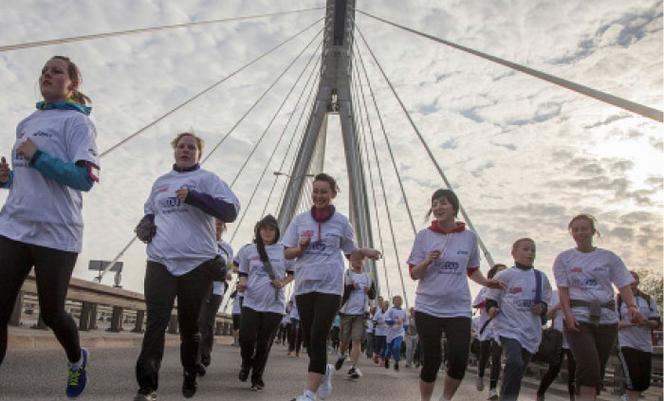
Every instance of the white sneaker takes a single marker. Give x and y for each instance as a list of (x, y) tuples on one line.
[(325, 388), (302, 397), (479, 383), (493, 394), (354, 373)]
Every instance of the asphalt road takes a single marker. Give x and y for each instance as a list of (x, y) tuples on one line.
[(41, 375)]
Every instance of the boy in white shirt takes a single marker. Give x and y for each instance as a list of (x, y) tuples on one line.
[(518, 309), (397, 321)]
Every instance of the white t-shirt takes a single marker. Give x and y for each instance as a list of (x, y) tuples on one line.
[(185, 235), (635, 336), (487, 334), (321, 266), (260, 294), (357, 300), (370, 326), (39, 210), (399, 319), (589, 276), (380, 326), (443, 290), (516, 320), (226, 254), (237, 309), (557, 321)]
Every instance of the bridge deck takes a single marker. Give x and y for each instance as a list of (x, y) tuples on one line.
[(40, 375)]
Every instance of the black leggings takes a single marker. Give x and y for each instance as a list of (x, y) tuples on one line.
[(257, 331), (457, 332), (317, 312), (53, 269), (206, 323), (553, 371), (161, 288), (490, 348)]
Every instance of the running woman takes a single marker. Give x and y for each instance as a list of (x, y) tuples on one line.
[(635, 341), (380, 332), (397, 322), (263, 275), (206, 320), (554, 313), (442, 255), (183, 258), (316, 240), (585, 276), (54, 160), (358, 290), (489, 348), (517, 311)]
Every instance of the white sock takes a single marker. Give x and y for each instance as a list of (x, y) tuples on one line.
[(77, 365), (310, 394)]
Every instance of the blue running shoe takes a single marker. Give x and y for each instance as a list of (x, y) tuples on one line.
[(77, 378)]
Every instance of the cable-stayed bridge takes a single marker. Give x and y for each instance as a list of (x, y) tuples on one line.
[(337, 76)]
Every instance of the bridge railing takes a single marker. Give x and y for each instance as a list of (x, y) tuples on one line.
[(91, 303)]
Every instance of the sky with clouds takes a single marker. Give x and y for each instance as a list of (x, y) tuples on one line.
[(523, 155)]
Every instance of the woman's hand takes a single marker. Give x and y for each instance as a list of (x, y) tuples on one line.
[(571, 323), (305, 240), (433, 255), (4, 170), (636, 317), (182, 193), (494, 284), (26, 149), (276, 283), (372, 254)]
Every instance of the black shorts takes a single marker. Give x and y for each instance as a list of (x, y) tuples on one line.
[(236, 321), (637, 366)]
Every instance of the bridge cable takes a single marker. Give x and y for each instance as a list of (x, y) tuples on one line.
[(225, 307), (267, 164), (645, 111), (50, 42), (387, 207), (115, 260), (371, 177), (204, 91), (428, 150)]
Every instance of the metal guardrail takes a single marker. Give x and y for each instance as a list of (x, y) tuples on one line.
[(88, 301)]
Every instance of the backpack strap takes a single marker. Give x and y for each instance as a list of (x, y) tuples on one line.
[(538, 286)]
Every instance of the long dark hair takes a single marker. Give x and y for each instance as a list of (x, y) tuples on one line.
[(267, 221)]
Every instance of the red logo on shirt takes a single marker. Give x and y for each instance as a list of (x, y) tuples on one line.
[(516, 290), (577, 269), (162, 188)]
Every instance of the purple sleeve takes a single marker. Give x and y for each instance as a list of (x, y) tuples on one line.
[(215, 207)]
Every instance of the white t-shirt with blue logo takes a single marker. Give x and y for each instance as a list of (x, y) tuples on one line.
[(260, 295), (589, 277), (638, 337), (226, 254), (357, 300), (399, 319), (39, 210), (516, 319), (381, 326), (320, 268), (443, 290), (185, 235)]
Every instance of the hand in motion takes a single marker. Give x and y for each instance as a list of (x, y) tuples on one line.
[(571, 323), (373, 254), (434, 255), (182, 193), (4, 170), (538, 309), (636, 317), (26, 149), (494, 284), (276, 283), (146, 230), (305, 240)]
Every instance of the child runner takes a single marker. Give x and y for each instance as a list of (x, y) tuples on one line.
[(584, 276), (397, 320), (522, 304), (295, 333), (488, 346), (206, 320), (442, 256), (54, 158), (316, 240), (183, 259), (380, 332), (411, 338), (358, 290), (635, 341), (555, 314), (263, 275)]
